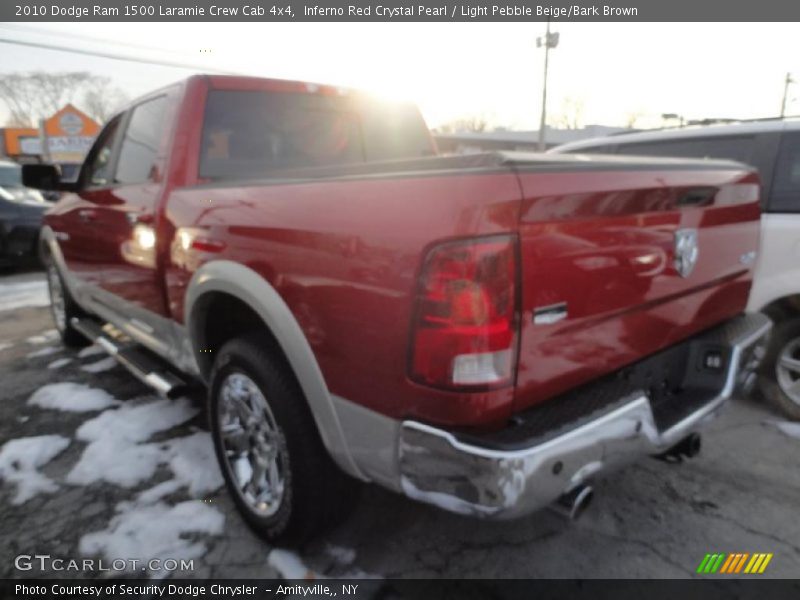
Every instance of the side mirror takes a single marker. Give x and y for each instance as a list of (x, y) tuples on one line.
[(44, 177)]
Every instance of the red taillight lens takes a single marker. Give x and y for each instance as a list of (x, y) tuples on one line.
[(465, 328)]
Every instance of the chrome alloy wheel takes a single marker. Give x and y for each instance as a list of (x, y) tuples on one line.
[(787, 370), (58, 304), (254, 447)]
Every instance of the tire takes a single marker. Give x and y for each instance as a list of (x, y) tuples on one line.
[(303, 492), (63, 308), (779, 377)]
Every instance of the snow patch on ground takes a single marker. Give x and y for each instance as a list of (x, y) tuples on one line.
[(61, 362), (117, 453), (91, 351), (47, 351), (23, 294), (155, 531), (5, 346), (20, 460), (148, 528), (194, 464), (290, 565), (343, 556), (137, 421), (120, 452), (44, 337), (101, 365), (117, 461), (71, 397), (159, 491), (787, 428)]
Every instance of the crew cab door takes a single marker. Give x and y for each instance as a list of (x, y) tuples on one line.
[(72, 219), (119, 206)]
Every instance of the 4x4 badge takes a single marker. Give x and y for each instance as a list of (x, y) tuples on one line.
[(686, 251)]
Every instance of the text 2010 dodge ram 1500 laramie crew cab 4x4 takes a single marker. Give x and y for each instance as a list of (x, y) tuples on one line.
[(485, 333)]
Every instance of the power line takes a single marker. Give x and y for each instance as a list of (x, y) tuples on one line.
[(121, 57), (83, 38)]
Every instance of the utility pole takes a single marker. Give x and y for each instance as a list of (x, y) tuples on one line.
[(550, 40), (44, 142), (786, 83)]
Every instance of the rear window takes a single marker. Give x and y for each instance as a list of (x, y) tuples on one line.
[(252, 134)]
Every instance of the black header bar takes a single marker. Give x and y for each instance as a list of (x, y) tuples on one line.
[(400, 10)]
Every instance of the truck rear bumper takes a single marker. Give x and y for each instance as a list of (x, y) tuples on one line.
[(525, 468)]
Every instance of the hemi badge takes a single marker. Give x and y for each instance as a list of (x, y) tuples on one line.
[(547, 315)]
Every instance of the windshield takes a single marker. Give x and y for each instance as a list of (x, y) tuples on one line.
[(10, 176)]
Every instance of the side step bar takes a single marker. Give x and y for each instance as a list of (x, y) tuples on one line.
[(143, 365)]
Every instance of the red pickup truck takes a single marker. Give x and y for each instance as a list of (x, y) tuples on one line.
[(485, 333)]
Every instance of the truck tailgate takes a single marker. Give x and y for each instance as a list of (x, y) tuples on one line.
[(622, 259)]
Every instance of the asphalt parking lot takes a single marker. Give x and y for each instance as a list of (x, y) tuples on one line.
[(122, 474)]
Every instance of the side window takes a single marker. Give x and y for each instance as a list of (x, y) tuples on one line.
[(97, 167), (785, 196), (139, 148)]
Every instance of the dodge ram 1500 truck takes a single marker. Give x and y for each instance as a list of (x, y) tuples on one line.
[(485, 333)]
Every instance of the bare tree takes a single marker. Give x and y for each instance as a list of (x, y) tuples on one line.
[(471, 123), (101, 99), (35, 95), (632, 117), (13, 121), (571, 115)]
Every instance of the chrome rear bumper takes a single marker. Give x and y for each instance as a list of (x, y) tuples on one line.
[(465, 476)]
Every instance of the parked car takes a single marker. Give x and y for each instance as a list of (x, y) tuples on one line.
[(21, 212), (485, 333), (773, 146)]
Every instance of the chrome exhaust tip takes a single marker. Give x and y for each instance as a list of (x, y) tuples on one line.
[(573, 504), (691, 445), (688, 447)]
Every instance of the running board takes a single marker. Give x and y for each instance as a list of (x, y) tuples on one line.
[(145, 366)]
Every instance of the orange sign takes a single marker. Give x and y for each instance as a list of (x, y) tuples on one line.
[(67, 128)]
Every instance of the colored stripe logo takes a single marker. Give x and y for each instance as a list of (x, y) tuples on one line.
[(734, 563)]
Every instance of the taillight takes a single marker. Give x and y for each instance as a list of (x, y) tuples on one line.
[(465, 326)]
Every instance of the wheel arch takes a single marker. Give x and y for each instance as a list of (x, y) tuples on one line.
[(782, 308), (246, 286)]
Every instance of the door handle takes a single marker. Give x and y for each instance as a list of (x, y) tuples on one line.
[(87, 215)]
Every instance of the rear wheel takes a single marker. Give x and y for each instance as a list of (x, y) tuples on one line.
[(63, 308), (275, 466), (780, 372)]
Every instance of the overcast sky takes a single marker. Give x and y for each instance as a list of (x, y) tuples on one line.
[(453, 70)]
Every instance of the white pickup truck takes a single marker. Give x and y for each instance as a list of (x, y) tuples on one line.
[(773, 146)]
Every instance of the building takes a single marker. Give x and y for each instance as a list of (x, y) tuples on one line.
[(468, 142), (69, 134)]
